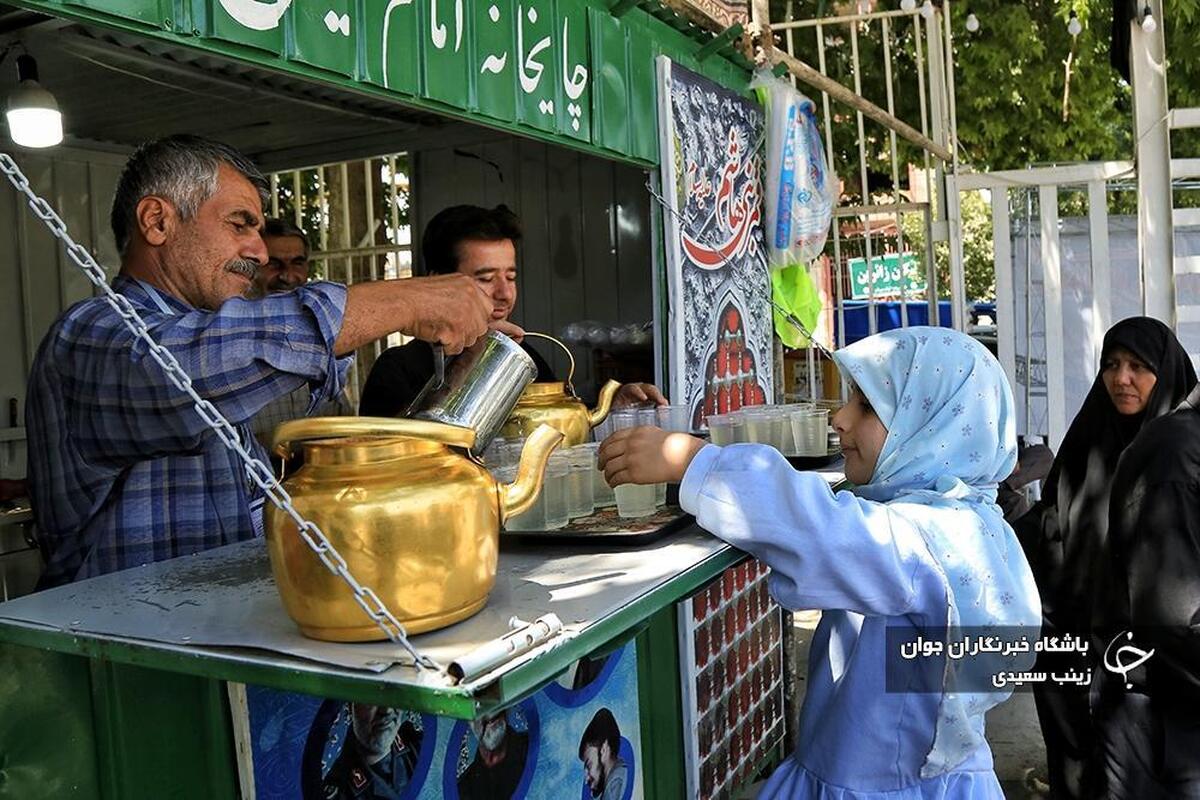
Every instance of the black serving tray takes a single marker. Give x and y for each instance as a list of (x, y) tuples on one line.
[(605, 528), (815, 462)]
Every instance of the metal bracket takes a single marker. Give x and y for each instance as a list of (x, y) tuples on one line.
[(721, 40), (525, 636)]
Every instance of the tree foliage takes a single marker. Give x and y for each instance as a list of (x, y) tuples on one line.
[(1011, 84)]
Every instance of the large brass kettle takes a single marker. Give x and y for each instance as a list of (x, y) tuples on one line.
[(554, 403), (416, 519)]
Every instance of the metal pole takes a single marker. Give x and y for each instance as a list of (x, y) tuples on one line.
[(1148, 75), (887, 68), (872, 322), (1029, 310), (369, 199), (958, 291), (931, 266)]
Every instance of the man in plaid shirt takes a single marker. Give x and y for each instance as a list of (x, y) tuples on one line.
[(122, 469)]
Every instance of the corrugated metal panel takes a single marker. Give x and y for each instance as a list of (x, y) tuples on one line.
[(39, 283)]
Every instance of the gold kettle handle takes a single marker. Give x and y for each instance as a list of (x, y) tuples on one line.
[(567, 350), (299, 430), (518, 496)]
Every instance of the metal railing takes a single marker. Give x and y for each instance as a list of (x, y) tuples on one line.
[(355, 214)]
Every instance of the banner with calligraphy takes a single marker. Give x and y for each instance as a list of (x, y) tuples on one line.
[(717, 276)]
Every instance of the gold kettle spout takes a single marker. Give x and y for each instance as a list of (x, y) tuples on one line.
[(518, 496), (604, 405)]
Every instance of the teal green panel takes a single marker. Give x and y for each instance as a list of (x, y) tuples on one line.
[(537, 64), (574, 104), (324, 35), (47, 746), (495, 67), (661, 701), (150, 12), (446, 43), (391, 31), (610, 95), (643, 94), (162, 734), (254, 24)]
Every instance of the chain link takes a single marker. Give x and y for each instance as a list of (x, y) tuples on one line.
[(256, 470)]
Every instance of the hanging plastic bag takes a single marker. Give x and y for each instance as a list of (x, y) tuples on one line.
[(800, 189), (794, 292)]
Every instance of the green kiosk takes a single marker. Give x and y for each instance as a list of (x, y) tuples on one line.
[(652, 669)]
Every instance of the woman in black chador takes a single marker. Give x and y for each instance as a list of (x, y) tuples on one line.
[(1144, 373)]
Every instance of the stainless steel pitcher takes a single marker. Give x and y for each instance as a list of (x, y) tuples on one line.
[(480, 388)]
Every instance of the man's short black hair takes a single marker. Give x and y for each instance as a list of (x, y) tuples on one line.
[(603, 728), (439, 244), (278, 226)]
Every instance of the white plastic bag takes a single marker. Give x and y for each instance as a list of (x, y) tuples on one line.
[(800, 189)]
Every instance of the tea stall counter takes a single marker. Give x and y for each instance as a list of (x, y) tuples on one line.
[(217, 615), (123, 675)]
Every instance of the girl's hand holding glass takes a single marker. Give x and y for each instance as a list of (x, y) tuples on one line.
[(647, 455)]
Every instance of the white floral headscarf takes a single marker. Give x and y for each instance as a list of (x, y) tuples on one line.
[(951, 439)]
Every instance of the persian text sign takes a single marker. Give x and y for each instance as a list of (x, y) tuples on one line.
[(522, 63), (890, 276)]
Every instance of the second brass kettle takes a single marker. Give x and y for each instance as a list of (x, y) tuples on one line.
[(554, 403)]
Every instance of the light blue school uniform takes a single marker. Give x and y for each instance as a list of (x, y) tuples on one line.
[(923, 544)]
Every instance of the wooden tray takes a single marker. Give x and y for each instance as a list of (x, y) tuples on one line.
[(605, 527)]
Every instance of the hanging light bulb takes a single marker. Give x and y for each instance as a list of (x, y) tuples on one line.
[(972, 23), (927, 9), (1148, 23), (908, 5), (1074, 27), (33, 116)]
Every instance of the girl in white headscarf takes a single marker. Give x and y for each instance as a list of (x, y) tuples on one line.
[(918, 546)]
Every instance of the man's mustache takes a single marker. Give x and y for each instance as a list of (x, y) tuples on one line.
[(244, 267)]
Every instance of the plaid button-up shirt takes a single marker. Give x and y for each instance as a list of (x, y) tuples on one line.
[(123, 471)]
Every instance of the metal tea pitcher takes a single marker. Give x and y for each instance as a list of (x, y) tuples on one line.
[(554, 403), (416, 518), (478, 388)]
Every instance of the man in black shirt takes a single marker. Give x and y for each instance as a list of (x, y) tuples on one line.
[(480, 243)]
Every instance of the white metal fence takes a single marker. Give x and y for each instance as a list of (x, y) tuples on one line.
[(356, 216)]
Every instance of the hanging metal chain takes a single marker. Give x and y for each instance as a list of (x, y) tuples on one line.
[(257, 471)]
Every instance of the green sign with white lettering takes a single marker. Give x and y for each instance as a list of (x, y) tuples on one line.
[(885, 277), (566, 70)]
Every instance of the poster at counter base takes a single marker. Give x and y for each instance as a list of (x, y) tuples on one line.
[(717, 276), (579, 737)]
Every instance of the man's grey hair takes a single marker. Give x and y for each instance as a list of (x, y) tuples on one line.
[(180, 169)]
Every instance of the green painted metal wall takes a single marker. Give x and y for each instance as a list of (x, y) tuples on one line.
[(74, 727), (562, 70)]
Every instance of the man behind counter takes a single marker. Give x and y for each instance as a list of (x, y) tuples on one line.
[(122, 469), (480, 243), (287, 269)]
